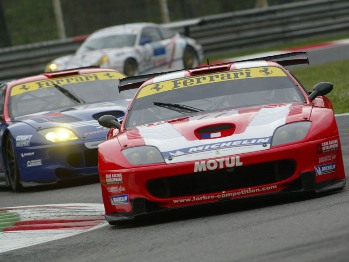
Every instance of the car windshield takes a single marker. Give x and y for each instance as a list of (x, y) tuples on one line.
[(59, 93), (194, 95), (111, 41)]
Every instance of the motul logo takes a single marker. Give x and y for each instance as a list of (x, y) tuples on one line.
[(214, 164)]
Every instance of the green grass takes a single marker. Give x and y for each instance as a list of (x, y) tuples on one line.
[(7, 219), (309, 41), (334, 72)]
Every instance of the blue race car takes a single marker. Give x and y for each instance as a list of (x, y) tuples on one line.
[(49, 129)]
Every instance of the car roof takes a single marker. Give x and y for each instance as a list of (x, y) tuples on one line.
[(132, 28)]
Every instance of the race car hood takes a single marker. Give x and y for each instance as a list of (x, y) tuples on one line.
[(216, 134), (88, 59), (92, 58), (82, 119)]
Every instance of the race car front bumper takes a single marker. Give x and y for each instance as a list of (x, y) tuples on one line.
[(279, 170)]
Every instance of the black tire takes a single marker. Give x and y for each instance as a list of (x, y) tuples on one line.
[(11, 164), (130, 67), (190, 57)]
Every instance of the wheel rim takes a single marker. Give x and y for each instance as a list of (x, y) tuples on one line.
[(189, 59), (11, 164), (130, 68)]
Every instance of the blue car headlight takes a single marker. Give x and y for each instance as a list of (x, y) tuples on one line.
[(58, 134), (141, 155), (290, 133)]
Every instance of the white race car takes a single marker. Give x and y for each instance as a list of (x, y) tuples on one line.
[(134, 49)]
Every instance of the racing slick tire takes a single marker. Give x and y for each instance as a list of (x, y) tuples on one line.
[(130, 67), (11, 165), (190, 57)]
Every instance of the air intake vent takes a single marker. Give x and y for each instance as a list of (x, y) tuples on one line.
[(215, 131)]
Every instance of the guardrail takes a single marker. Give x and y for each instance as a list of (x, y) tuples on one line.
[(219, 34)]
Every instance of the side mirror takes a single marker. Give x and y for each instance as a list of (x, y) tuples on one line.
[(320, 89), (109, 121)]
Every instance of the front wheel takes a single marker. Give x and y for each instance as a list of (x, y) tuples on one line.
[(11, 163), (130, 67)]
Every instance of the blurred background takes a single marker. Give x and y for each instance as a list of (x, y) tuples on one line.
[(29, 21), (34, 32)]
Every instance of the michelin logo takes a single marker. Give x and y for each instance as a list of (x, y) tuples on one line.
[(325, 169), (215, 146), (27, 154)]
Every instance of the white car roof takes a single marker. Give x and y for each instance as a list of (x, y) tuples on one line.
[(133, 28)]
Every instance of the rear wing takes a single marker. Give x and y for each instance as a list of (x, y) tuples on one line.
[(287, 59), (132, 82)]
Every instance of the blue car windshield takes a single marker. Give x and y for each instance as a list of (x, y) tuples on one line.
[(57, 94)]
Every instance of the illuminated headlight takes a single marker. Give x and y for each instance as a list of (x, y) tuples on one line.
[(52, 67), (290, 133), (143, 155), (103, 60), (60, 134)]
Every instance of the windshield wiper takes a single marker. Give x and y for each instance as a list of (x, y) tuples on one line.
[(69, 94), (178, 108)]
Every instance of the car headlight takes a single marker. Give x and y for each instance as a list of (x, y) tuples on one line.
[(59, 134), (143, 155), (290, 133), (103, 60), (51, 67)]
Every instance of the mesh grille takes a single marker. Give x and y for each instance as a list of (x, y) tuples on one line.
[(221, 180)]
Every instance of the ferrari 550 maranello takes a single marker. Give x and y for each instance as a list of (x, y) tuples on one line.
[(137, 48), (216, 133), (49, 129)]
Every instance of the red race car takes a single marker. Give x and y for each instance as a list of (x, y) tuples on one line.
[(219, 132)]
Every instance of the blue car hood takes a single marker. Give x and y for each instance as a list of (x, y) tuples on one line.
[(82, 119)]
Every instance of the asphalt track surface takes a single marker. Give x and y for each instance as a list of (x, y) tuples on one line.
[(290, 228)]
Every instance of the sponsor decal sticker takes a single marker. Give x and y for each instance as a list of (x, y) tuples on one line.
[(226, 195), (36, 162), (216, 146), (113, 179), (27, 154), (23, 140), (327, 146), (213, 164), (210, 135), (36, 85), (257, 72), (116, 189), (327, 158), (119, 200), (325, 169)]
